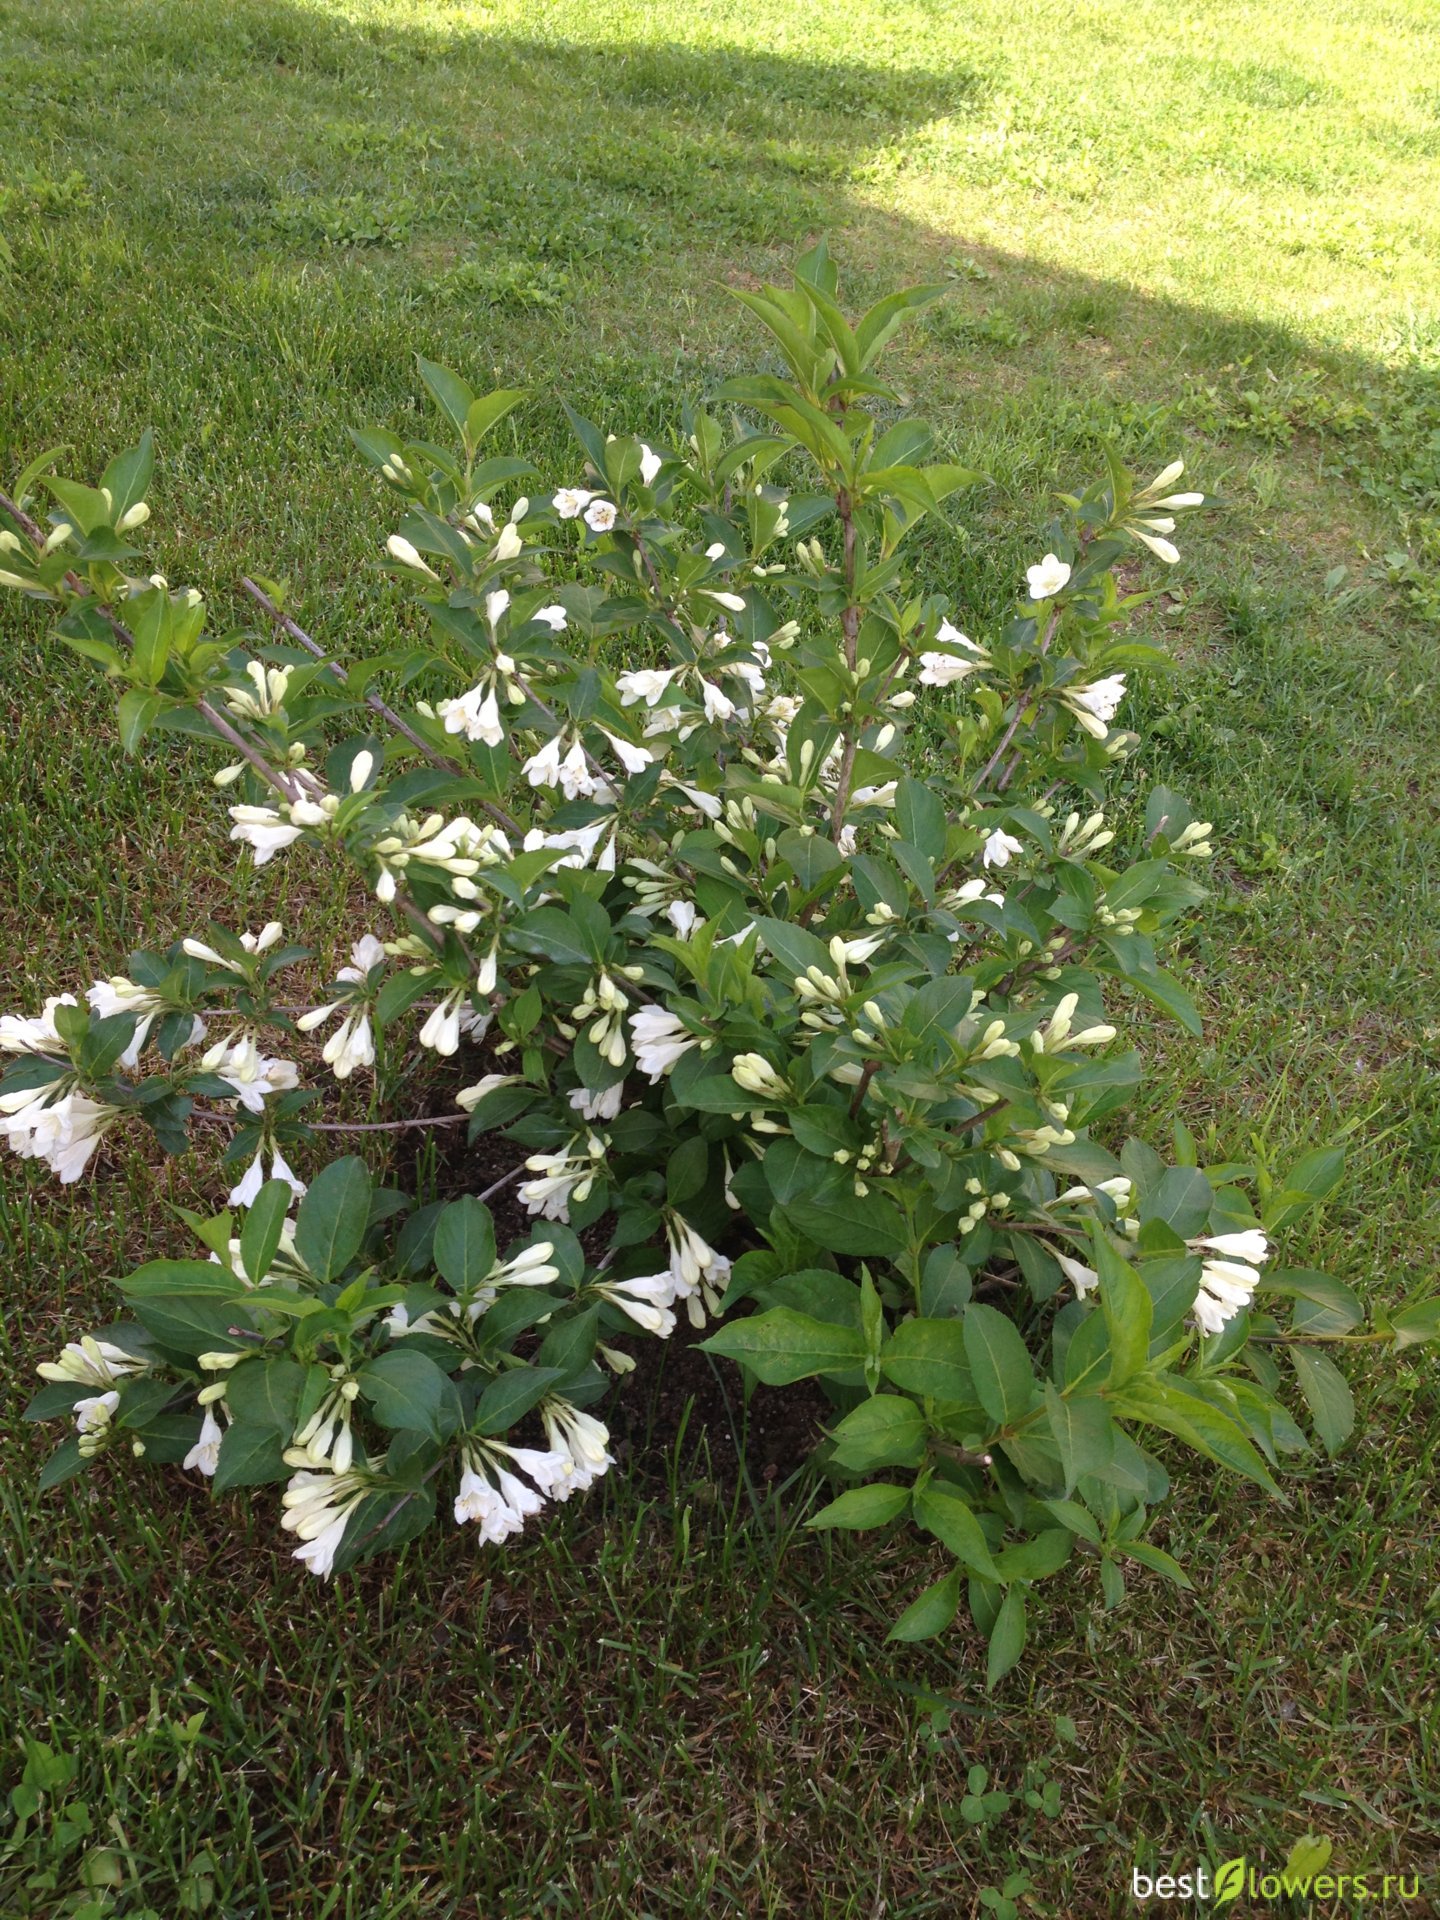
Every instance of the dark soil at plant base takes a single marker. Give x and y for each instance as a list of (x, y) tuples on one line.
[(675, 1391)]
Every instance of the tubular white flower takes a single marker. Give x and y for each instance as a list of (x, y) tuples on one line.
[(644, 683), (646, 1300), (476, 714), (265, 831), (600, 516), (754, 1073), (650, 464), (441, 1031), (253, 1075), (570, 502), (659, 1038), (88, 1362), (1081, 1277), (633, 759), (37, 1033), (1047, 577), (1095, 706), (63, 1133), (1000, 848), (204, 1456), (399, 548), (698, 1273), (583, 1438)]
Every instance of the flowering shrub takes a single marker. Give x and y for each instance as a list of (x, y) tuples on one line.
[(780, 926)]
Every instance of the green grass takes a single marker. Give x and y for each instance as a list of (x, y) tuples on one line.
[(1215, 231)]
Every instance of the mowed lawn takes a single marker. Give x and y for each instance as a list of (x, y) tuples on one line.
[(1212, 230)]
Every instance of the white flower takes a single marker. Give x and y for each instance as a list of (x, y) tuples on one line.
[(554, 617), (476, 714), (718, 705), (204, 1456), (1095, 706), (646, 1301), (650, 464), (683, 916), (569, 502), (508, 546), (542, 769), (943, 669), (659, 1038), (1081, 1277), (598, 1106), (559, 1178), (63, 1133), (1047, 577), (1227, 1284), (88, 1362), (600, 516), (366, 953), (37, 1034), (576, 779), (441, 1030), (92, 1415), (644, 683), (697, 1271), (731, 602), (318, 1507), (495, 604), (469, 1098), (253, 1075), (531, 1267), (271, 685), (633, 759), (582, 1438), (1150, 533), (1000, 848), (754, 1073), (264, 830), (253, 943), (401, 549), (716, 550), (245, 1192), (119, 995)]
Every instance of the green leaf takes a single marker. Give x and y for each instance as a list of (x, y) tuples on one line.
[(1037, 1558), (555, 935), (1000, 1363), (920, 816), (847, 1224), (1084, 1434), (450, 393), (1412, 1326), (165, 1279), (887, 1430), (191, 1323), (1167, 993), (510, 1396), (266, 1393), (783, 1345), (1165, 1403), (66, 1461), (333, 1216), (250, 1456), (465, 1244), (929, 1357), (1323, 1304), (127, 478), (1312, 1179), (951, 1521), (1007, 1637), (1156, 1559), (857, 1507), (407, 1391), (482, 414), (1182, 1200), (1327, 1394), (264, 1223), (931, 1613), (1128, 1309), (138, 711)]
